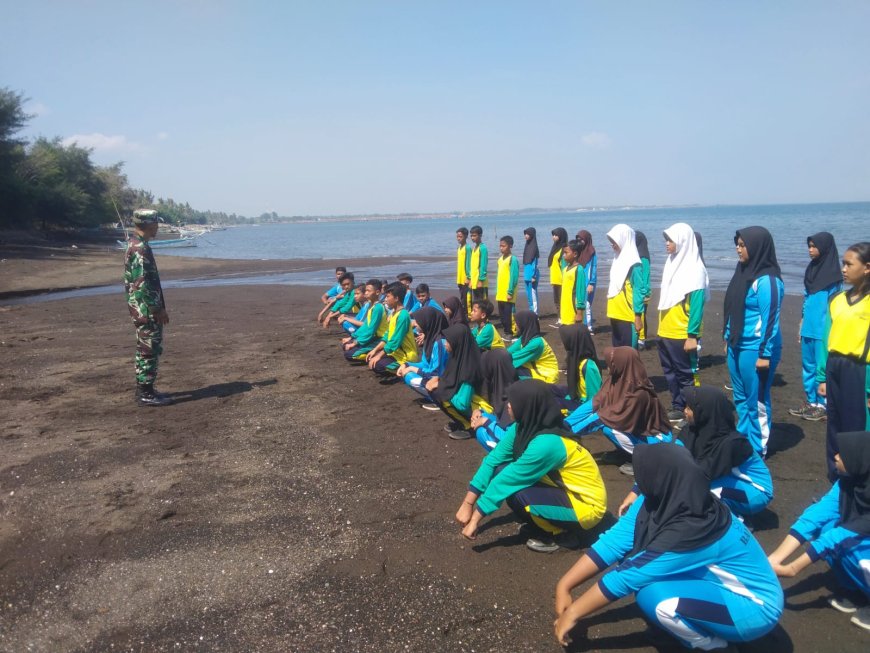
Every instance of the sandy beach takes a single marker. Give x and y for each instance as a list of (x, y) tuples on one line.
[(288, 501)]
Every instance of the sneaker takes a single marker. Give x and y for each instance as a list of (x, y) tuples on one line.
[(460, 434), (627, 469), (614, 457), (641, 345), (728, 387), (861, 618), (428, 405), (449, 427), (842, 604), (552, 543), (675, 415), (815, 414), (800, 410), (556, 324)]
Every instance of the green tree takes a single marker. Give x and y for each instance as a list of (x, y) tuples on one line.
[(12, 120)]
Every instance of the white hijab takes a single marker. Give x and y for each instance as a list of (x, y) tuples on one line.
[(684, 271), (623, 236)]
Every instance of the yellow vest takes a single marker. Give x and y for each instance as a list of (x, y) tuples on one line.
[(582, 482), (475, 269), (849, 327), (556, 270), (546, 368), (461, 253), (567, 312), (503, 279), (407, 351), (621, 307)]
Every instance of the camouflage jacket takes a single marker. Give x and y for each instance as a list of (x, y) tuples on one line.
[(141, 281)]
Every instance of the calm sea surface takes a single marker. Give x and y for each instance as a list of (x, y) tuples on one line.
[(789, 224)]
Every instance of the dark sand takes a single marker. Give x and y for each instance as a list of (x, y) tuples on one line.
[(288, 501)]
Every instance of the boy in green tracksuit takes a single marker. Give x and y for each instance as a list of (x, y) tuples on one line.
[(367, 335), (397, 345)]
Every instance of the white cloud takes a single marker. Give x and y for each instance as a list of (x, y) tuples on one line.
[(103, 143), (162, 136), (597, 140)]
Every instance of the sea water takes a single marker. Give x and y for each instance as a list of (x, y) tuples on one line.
[(407, 238)]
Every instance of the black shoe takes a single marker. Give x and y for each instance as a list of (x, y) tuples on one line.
[(146, 395), (675, 415), (449, 427), (460, 434)]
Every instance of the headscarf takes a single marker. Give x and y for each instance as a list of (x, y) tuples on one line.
[(855, 487), (678, 511), (528, 326), (684, 271), (642, 244), (762, 262), (561, 241), (627, 400), (623, 236), (530, 251), (700, 240), (457, 312), (431, 322), (713, 439), (463, 364), (536, 412), (579, 346), (498, 372), (825, 270), (587, 249)]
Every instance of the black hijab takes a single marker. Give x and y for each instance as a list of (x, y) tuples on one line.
[(499, 373), (457, 312), (700, 240), (431, 322), (855, 486), (463, 364), (528, 326), (642, 244), (530, 251), (712, 438), (762, 262), (825, 270), (536, 412), (561, 241), (678, 512), (579, 346)]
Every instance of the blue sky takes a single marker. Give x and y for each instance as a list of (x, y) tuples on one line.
[(328, 107)]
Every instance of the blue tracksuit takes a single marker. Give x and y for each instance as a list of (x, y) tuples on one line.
[(591, 270), (360, 315), (812, 334), (490, 434), (747, 489), (530, 277), (845, 551), (585, 420), (332, 292), (723, 592), (761, 338), (429, 366)]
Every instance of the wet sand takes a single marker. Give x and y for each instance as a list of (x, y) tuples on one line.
[(288, 501)]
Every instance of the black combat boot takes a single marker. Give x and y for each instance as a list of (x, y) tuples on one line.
[(147, 396)]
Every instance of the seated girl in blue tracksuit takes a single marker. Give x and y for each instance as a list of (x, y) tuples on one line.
[(499, 374), (752, 334), (581, 364), (838, 529), (626, 410), (696, 572), (433, 355), (532, 355)]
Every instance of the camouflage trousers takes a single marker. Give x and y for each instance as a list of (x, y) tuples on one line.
[(149, 346)]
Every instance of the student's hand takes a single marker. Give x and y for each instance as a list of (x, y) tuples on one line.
[(638, 322), (470, 530), (349, 345), (463, 515), (510, 297), (590, 289), (646, 299), (629, 499), (402, 370), (480, 284), (563, 599), (468, 282), (691, 344), (432, 384), (419, 338), (822, 389), (477, 420), (762, 364), (564, 625)]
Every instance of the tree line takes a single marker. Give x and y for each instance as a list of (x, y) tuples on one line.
[(47, 185)]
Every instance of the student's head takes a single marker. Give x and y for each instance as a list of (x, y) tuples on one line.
[(359, 292), (346, 281), (340, 270), (529, 233), (405, 279), (853, 460), (476, 234), (481, 311), (461, 235), (505, 244), (670, 245), (395, 295), (373, 289), (422, 292), (571, 251), (856, 265)]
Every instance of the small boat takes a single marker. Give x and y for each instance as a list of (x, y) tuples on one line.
[(186, 241)]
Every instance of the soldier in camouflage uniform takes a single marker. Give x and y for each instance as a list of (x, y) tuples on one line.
[(146, 304)]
